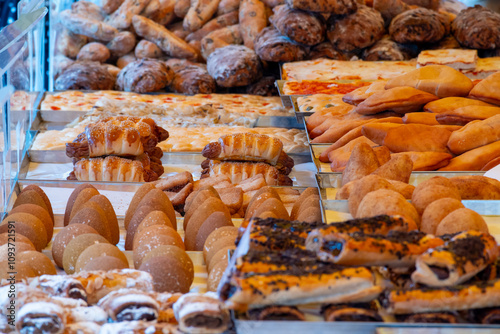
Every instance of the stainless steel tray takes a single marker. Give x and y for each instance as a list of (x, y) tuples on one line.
[(320, 327), (285, 99)]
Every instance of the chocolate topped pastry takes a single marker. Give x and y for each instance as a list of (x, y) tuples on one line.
[(477, 28), (419, 25)]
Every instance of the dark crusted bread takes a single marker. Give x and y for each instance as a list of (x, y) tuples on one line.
[(386, 49), (326, 50), (338, 7), (144, 76), (270, 45), (356, 31), (85, 75), (234, 65), (419, 25), (300, 26), (477, 28), (192, 79)]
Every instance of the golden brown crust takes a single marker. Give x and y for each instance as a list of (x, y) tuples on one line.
[(252, 19)]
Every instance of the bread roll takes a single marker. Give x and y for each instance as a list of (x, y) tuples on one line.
[(461, 220), (98, 250), (76, 246), (138, 196), (62, 239), (487, 90), (29, 226), (436, 211), (38, 212)]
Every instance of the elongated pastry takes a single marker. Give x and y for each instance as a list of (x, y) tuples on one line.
[(99, 283), (245, 147), (87, 26), (457, 261), (239, 171), (475, 134), (252, 19), (130, 305), (199, 13), (397, 249), (201, 313), (41, 317), (59, 286), (122, 17), (462, 297), (228, 19), (276, 312), (475, 159), (351, 312), (112, 168)]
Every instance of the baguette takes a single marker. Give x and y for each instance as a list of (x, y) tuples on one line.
[(474, 135), (172, 45), (252, 19), (228, 6), (214, 24), (199, 13), (160, 11), (88, 27)]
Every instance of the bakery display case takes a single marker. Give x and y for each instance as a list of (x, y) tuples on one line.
[(252, 166)]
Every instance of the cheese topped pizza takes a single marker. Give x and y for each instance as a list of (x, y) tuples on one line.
[(235, 103), (318, 102), (308, 87), (328, 70)]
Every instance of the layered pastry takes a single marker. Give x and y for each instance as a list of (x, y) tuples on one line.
[(276, 312), (364, 312)]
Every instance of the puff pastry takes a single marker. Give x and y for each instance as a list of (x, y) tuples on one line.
[(457, 261)]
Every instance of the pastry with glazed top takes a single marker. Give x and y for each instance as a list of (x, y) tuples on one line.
[(457, 261), (201, 313)]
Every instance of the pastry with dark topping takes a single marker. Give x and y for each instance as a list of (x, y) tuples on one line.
[(366, 312)]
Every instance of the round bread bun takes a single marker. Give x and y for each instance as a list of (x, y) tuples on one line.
[(62, 239), (44, 197), (215, 275), (196, 198), (427, 195), (209, 206), (30, 197), (436, 211), (29, 226), (19, 247), (155, 218), (76, 246), (23, 271), (272, 205), (461, 220), (38, 212), (222, 254), (200, 198), (308, 202), (214, 221), (312, 214), (434, 181), (174, 252), (98, 250), (168, 274), (196, 221), (381, 201), (223, 242), (134, 203), (107, 207), (260, 196), (216, 235), (105, 263), (311, 191), (39, 262), (72, 199), (5, 238), (365, 185), (93, 216), (83, 197), (153, 237)]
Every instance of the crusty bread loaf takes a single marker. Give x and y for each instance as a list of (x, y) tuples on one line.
[(488, 90), (440, 80)]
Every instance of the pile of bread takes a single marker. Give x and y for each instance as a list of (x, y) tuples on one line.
[(118, 148), (157, 45), (373, 188), (434, 114), (244, 155)]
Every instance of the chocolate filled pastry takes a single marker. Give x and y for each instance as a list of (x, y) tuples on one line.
[(457, 261), (201, 313), (130, 305), (488, 316), (276, 313), (99, 283), (419, 25), (396, 249), (60, 286), (461, 297), (432, 318), (245, 147), (113, 168), (351, 312), (239, 171), (41, 317), (120, 135)]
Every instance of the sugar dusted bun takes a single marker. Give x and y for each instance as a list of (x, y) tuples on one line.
[(138, 196), (29, 226), (62, 239), (272, 205), (214, 221), (76, 246), (92, 214), (72, 199), (44, 197), (19, 246), (23, 271), (83, 197), (105, 263), (153, 237), (38, 212), (39, 262), (4, 239), (155, 218), (30, 197), (224, 242), (260, 196), (303, 196), (98, 250), (215, 275), (216, 235), (111, 219), (196, 198), (220, 255)]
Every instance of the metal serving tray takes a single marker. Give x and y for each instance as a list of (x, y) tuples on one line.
[(285, 99)]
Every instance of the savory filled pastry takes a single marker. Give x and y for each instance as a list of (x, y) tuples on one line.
[(462, 220), (234, 65), (461, 258), (301, 27), (477, 187), (356, 31), (144, 76), (419, 25), (477, 28), (201, 313), (396, 249), (465, 115), (85, 75)]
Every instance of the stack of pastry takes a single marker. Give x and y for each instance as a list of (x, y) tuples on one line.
[(26, 230), (158, 249), (432, 114), (243, 155), (118, 149)]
